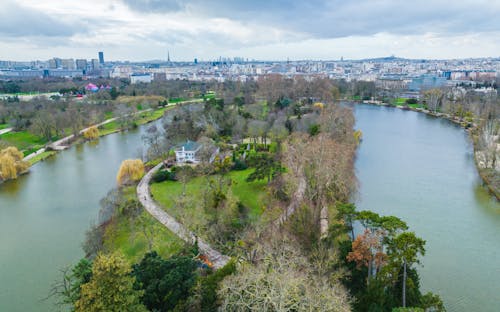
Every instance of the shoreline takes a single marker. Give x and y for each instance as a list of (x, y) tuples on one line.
[(71, 140), (469, 127)]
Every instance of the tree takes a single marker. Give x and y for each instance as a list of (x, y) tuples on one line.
[(347, 213), (434, 98), (110, 287), (11, 163), (130, 170), (69, 288), (165, 283), (367, 250), (91, 133), (283, 281), (266, 167), (403, 250)]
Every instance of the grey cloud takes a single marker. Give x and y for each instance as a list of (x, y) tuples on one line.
[(335, 18), (155, 5), (16, 20)]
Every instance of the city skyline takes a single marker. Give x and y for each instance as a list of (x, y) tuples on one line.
[(139, 30)]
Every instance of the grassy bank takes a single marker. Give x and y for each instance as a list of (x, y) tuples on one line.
[(132, 235), (41, 157)]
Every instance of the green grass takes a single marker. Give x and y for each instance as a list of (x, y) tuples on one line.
[(41, 157), (126, 235), (251, 194), (109, 128), (23, 140), (3, 126), (176, 100)]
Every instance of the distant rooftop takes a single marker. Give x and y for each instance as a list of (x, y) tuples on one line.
[(189, 146)]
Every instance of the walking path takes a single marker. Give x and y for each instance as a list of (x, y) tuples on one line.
[(60, 145), (6, 130), (219, 260)]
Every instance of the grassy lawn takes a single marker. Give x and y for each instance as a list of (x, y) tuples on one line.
[(126, 235), (24, 140), (4, 126), (41, 157), (108, 128), (252, 195)]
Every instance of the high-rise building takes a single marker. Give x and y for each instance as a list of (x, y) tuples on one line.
[(81, 64), (95, 64), (68, 64), (101, 58)]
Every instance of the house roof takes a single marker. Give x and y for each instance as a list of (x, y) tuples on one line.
[(189, 146)]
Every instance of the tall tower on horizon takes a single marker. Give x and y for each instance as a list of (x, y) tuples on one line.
[(168, 56), (101, 58)]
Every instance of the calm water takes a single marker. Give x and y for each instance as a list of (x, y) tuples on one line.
[(44, 215), (422, 170)]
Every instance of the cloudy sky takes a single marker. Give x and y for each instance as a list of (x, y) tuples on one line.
[(255, 29)]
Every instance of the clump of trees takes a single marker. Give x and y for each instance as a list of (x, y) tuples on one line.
[(91, 133), (11, 163), (110, 287), (131, 170)]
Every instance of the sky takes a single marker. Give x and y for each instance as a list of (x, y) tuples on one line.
[(139, 30)]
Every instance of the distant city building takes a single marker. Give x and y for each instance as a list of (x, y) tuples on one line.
[(159, 76), (137, 78), (101, 58), (81, 64), (425, 82), (68, 64), (95, 65)]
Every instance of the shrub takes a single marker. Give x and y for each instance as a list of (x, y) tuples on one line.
[(164, 175), (239, 165)]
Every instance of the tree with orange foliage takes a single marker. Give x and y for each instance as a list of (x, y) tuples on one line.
[(367, 251), (130, 170)]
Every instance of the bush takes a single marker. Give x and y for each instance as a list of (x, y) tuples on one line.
[(239, 165), (411, 101), (164, 175)]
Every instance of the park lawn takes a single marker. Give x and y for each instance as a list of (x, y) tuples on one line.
[(109, 128), (251, 194), (41, 157), (126, 236), (415, 105), (24, 140), (4, 126)]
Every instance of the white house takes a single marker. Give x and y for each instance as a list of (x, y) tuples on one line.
[(187, 152)]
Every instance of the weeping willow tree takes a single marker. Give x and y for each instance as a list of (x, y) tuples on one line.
[(130, 170), (91, 133), (11, 163)]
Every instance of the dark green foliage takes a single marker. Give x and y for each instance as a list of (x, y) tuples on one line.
[(411, 101), (114, 93), (314, 129), (208, 286), (266, 167), (166, 283), (282, 103), (413, 295), (377, 297), (164, 175), (70, 289), (432, 302), (239, 165)]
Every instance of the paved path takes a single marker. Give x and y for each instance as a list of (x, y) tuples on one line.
[(6, 130), (60, 145), (219, 260)]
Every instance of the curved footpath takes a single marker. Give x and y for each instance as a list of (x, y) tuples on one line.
[(219, 260)]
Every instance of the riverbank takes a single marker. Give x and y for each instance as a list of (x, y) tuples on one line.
[(106, 127), (491, 184)]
